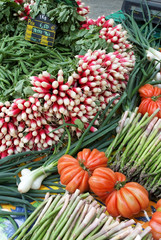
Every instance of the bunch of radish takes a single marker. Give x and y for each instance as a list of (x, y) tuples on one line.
[(24, 14), (82, 10), (26, 8), (99, 78), (30, 124), (110, 32), (23, 127)]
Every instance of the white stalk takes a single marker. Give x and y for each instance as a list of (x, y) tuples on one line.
[(32, 179), (155, 53)]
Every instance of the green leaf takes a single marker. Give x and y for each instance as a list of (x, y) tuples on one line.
[(82, 52), (19, 86), (28, 91), (7, 13), (8, 92), (72, 28), (80, 18), (79, 123), (110, 47), (97, 102), (69, 2)]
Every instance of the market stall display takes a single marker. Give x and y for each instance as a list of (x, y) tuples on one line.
[(79, 113)]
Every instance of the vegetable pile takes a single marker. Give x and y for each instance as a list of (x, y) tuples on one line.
[(83, 115), (89, 172), (45, 164), (77, 216), (30, 123), (65, 88)]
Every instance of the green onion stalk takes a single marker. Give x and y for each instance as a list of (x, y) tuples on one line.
[(143, 37), (148, 57)]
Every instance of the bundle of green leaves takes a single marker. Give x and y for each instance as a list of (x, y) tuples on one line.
[(10, 24)]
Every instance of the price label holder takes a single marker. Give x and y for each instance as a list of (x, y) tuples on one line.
[(40, 30)]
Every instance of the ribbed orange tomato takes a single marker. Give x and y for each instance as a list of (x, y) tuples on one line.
[(150, 99), (158, 205), (120, 177), (128, 200), (102, 182), (75, 173), (155, 224)]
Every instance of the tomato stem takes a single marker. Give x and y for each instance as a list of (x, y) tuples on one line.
[(119, 185), (155, 98)]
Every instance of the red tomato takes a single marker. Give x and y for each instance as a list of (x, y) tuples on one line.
[(155, 224), (120, 177), (158, 205), (149, 91), (102, 182), (75, 173), (150, 99), (128, 201)]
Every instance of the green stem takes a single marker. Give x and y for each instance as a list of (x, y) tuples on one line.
[(130, 148), (43, 226), (71, 219), (83, 213), (154, 184), (97, 228), (6, 213), (13, 222), (156, 163), (28, 223), (26, 228), (42, 234), (148, 150), (151, 136), (63, 220), (49, 213), (52, 225), (74, 151), (69, 231), (114, 109), (69, 140), (133, 116), (143, 145), (112, 145), (89, 218), (150, 163), (157, 177), (128, 136)]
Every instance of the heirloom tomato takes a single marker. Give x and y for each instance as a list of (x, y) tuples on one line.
[(150, 99), (158, 205), (102, 182), (75, 172), (127, 201), (155, 224)]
